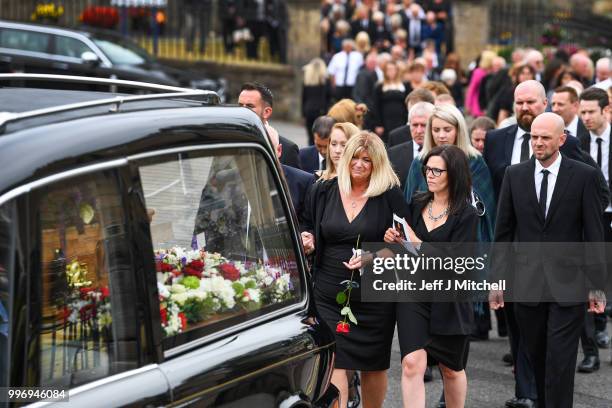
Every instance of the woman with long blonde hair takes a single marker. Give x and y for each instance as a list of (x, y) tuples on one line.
[(316, 93), (389, 101), (340, 214)]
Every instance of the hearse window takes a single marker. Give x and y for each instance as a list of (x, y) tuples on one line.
[(222, 245), (24, 40), (70, 47), (84, 319), (8, 225)]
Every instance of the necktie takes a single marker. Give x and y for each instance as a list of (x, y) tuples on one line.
[(348, 60), (322, 165), (599, 141), (420, 148), (525, 147), (544, 191)]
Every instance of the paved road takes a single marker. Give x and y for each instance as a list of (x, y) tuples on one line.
[(490, 382)]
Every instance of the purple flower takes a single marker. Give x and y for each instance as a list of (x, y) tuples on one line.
[(184, 261)]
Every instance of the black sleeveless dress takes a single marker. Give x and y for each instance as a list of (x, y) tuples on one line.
[(367, 347)]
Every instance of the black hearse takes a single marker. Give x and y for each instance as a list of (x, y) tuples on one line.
[(149, 254)]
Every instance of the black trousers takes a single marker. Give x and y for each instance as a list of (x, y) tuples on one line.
[(550, 334), (524, 377)]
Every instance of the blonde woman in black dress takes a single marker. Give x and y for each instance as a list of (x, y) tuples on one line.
[(354, 207), (437, 332)]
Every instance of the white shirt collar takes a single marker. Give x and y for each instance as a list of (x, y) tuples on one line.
[(605, 135), (553, 168), (573, 126), (519, 133)]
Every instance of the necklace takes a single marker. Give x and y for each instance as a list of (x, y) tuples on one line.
[(437, 217)]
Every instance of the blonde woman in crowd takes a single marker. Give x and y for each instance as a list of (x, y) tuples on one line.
[(355, 207), (338, 138), (346, 110), (473, 92), (316, 93)]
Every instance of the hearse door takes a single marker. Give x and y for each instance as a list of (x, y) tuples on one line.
[(86, 327), (231, 286)]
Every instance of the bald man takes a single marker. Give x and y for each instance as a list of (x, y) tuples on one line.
[(550, 198)]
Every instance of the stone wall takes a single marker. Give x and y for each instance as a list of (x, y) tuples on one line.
[(471, 21), (282, 80)]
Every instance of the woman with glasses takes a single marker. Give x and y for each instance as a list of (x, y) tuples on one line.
[(447, 126), (437, 333)]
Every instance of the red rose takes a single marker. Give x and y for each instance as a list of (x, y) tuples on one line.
[(85, 292), (164, 316), (166, 267), (183, 318), (197, 264), (189, 271), (105, 292), (343, 327), (229, 271)]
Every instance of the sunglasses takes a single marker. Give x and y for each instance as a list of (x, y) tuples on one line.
[(436, 172)]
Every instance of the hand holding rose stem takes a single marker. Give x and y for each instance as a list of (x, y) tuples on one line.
[(344, 298)]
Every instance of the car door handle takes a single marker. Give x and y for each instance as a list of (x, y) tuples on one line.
[(59, 65)]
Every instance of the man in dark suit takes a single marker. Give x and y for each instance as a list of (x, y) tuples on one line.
[(564, 102), (258, 98), (298, 180), (594, 107), (312, 158), (402, 133), (401, 155), (551, 198)]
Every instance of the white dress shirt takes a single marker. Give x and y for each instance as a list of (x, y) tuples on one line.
[(573, 126), (415, 149), (516, 149), (605, 154), (337, 67), (552, 179)]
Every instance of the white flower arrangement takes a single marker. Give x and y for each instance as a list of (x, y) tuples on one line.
[(194, 284)]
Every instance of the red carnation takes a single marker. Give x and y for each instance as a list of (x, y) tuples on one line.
[(189, 271), (166, 267), (343, 327), (164, 316), (183, 318), (197, 264), (229, 271)]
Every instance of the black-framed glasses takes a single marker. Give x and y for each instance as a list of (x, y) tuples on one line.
[(436, 172)]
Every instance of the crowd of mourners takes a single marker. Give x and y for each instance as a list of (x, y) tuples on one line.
[(387, 108)]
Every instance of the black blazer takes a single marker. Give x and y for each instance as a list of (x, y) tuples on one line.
[(449, 318), (498, 153), (401, 157), (299, 182), (574, 215), (309, 159), (585, 144), (399, 135), (290, 153)]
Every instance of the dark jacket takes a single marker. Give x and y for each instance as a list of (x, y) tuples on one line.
[(315, 100), (290, 153), (399, 135), (309, 159), (401, 157), (574, 215), (299, 182)]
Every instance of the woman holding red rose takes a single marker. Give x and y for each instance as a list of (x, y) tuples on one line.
[(357, 206)]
